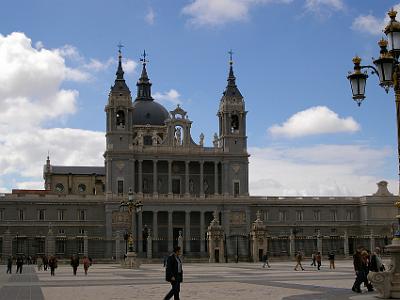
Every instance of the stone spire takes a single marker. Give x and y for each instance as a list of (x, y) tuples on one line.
[(144, 84), (120, 84), (231, 89)]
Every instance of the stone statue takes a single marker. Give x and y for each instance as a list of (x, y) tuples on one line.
[(178, 136), (215, 141), (201, 139), (130, 243)]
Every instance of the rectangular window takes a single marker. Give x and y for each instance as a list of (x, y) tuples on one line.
[(317, 231), (21, 214), (266, 215), (236, 188), (1, 214), (120, 186), (82, 215), (81, 231), (41, 214), (60, 246), (282, 215), (349, 215), (334, 215), (61, 214), (61, 231), (299, 215), (317, 215)]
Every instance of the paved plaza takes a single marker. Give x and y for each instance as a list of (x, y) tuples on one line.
[(201, 281)]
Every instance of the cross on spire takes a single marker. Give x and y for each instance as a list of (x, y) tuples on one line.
[(144, 60), (230, 56), (120, 46)]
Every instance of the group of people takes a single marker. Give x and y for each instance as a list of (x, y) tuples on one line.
[(49, 262), (364, 262), (316, 258)]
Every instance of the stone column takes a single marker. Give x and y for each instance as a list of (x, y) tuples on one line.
[(155, 229), (187, 231), (149, 246), (292, 248), (170, 232), (258, 238), (169, 177), (372, 241), (133, 231), (133, 176), (346, 244), (140, 232), (155, 178), (50, 243), (7, 244), (216, 178), (118, 246), (108, 230), (109, 176), (202, 232), (85, 245), (140, 177), (201, 178), (319, 243), (187, 178)]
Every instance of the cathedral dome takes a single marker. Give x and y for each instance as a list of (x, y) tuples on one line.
[(148, 112)]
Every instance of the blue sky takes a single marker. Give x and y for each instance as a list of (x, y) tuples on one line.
[(291, 58)]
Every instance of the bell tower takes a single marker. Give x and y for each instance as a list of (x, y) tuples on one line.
[(118, 133), (232, 138), (232, 116)]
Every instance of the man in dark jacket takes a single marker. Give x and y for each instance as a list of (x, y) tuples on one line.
[(20, 263), (174, 273)]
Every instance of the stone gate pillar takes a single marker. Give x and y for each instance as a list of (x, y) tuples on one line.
[(85, 245), (258, 238), (215, 237), (50, 243), (7, 244), (149, 245), (319, 243), (346, 244), (372, 241), (292, 250)]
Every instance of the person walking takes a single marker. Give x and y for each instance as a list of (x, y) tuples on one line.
[(313, 258), (45, 262), (39, 264), (331, 257), (299, 258), (20, 263), (74, 263), (265, 260), (52, 265), (318, 258), (376, 264), (9, 264), (86, 264), (360, 262), (174, 273)]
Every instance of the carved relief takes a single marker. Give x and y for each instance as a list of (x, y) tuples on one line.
[(236, 168), (238, 217)]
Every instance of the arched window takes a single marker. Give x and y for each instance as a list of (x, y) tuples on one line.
[(120, 118), (234, 123)]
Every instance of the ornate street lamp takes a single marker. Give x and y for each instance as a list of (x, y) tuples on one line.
[(133, 207), (388, 70)]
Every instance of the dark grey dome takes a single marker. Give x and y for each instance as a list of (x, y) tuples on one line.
[(149, 112)]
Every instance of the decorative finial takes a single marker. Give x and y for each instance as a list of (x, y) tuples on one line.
[(383, 43), (230, 57), (120, 46), (48, 154), (392, 13), (144, 60)]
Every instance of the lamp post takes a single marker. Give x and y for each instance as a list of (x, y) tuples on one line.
[(388, 70), (133, 207)]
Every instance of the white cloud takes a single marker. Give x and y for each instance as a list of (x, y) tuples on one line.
[(370, 24), (324, 7), (322, 170), (171, 97), (129, 66), (30, 96), (219, 12), (150, 16), (312, 121)]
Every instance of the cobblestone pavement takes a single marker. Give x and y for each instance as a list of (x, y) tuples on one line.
[(201, 281)]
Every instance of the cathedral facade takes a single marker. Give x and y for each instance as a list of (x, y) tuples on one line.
[(183, 185)]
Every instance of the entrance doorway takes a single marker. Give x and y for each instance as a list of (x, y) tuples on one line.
[(216, 253)]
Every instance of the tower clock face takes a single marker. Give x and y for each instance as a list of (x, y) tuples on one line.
[(82, 187), (59, 187)]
